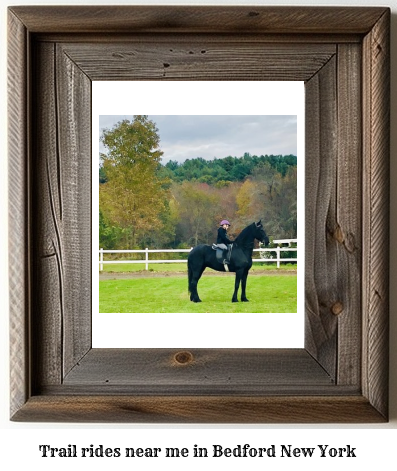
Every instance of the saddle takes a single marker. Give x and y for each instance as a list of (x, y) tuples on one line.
[(223, 254)]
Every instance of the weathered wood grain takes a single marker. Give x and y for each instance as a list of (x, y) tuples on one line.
[(341, 376), (333, 246), (321, 278), (209, 59), (199, 19), (199, 409), (47, 260), (347, 225), (19, 224), (375, 323), (156, 39), (230, 369), (73, 89), (62, 175)]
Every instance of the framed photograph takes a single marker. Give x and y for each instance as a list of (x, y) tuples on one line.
[(224, 152), (340, 375)]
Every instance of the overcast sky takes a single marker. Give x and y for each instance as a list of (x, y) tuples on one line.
[(187, 137)]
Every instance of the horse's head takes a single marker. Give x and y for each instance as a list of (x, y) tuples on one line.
[(260, 233)]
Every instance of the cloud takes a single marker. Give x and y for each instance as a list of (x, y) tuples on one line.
[(186, 137)]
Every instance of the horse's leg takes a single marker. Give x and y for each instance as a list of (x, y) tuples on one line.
[(239, 274), (195, 276), (243, 286), (193, 291)]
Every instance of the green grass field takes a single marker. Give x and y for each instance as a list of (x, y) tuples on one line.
[(267, 293)]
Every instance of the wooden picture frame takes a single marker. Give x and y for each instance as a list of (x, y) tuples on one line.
[(342, 54)]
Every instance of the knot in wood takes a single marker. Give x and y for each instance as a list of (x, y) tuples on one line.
[(183, 358), (338, 235), (337, 308)]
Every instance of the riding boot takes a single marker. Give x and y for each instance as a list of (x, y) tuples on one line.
[(226, 260)]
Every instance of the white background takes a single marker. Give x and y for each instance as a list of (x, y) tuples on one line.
[(375, 445)]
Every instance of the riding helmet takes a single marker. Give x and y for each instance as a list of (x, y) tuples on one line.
[(224, 221)]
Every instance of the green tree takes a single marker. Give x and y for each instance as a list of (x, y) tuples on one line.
[(133, 196), (109, 236)]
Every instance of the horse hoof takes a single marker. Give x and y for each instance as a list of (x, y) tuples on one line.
[(245, 300), (234, 300)]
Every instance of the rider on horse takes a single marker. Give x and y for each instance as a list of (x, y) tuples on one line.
[(222, 240), (206, 256)]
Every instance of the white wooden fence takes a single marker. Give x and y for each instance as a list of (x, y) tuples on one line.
[(146, 261)]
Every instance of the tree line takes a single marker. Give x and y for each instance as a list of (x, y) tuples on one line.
[(144, 203), (228, 169)]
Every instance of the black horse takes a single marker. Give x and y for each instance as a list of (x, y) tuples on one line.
[(204, 256)]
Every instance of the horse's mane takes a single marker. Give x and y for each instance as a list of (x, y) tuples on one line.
[(246, 237)]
